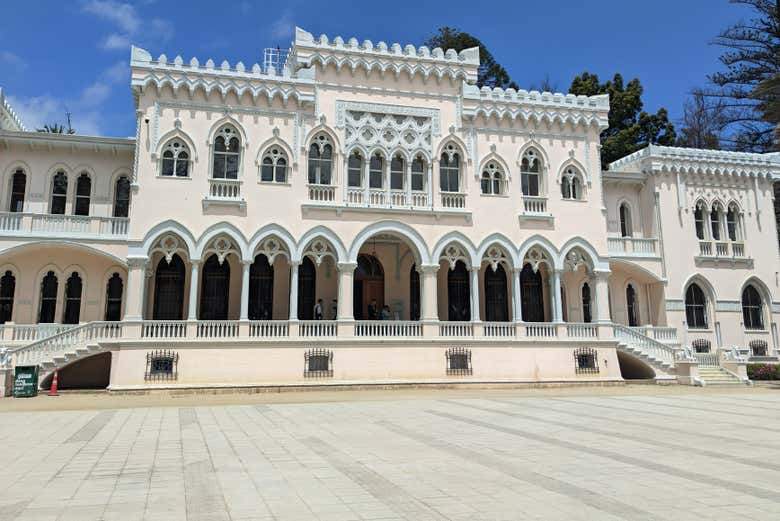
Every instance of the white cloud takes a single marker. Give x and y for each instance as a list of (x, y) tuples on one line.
[(116, 41), (123, 15), (11, 59), (125, 25), (283, 26)]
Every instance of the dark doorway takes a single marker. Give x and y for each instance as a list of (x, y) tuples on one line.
[(307, 289), (369, 286), (414, 293), (72, 299), (48, 307), (169, 289), (496, 299), (261, 289), (458, 294), (533, 296), (214, 290), (114, 298)]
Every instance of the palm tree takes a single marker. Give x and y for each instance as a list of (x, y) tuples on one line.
[(54, 128)]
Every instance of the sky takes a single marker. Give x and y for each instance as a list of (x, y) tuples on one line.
[(58, 56)]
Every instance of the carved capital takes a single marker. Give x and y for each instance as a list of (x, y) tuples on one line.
[(346, 266)]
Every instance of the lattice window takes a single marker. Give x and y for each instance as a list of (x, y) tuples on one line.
[(175, 159), (274, 166), (586, 361), (318, 363), (162, 364), (571, 184), (492, 180), (758, 348), (701, 345), (459, 361)]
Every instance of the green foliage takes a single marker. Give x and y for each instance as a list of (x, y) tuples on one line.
[(763, 371), (630, 128), (490, 72), (56, 128)]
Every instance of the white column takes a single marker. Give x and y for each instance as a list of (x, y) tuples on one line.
[(387, 182), (517, 298), (194, 280), (475, 293), (429, 292), (136, 288), (294, 289), (409, 183), (556, 296), (602, 296), (346, 276), (245, 291), (430, 185), (345, 179), (366, 175)]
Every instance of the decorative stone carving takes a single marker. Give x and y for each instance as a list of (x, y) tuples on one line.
[(576, 258), (168, 245), (271, 247), (454, 253), (496, 255), (318, 249), (535, 257), (222, 247), (321, 140)]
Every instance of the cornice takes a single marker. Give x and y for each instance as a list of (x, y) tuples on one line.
[(67, 140), (7, 113)]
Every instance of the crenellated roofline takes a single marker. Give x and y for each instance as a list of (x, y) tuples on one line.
[(10, 116)]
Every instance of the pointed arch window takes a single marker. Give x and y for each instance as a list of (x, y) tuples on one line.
[(59, 193), (274, 166), (414, 293), (752, 308), (18, 187), (261, 289), (732, 222), (587, 316), (698, 219), (169, 289), (227, 153), (449, 169), (355, 170), (114, 288), (73, 287), (716, 221), (571, 184), (376, 170), (215, 287), (695, 307), (175, 159), (321, 161), (122, 197), (83, 194), (496, 299), (418, 174), (492, 180), (532, 295), (7, 291), (530, 172), (458, 293), (307, 286), (48, 305), (626, 229), (632, 308), (397, 169)]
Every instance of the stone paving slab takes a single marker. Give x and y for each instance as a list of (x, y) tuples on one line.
[(439, 455)]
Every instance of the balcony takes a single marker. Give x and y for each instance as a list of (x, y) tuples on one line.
[(226, 192), (68, 226), (723, 252), (535, 208), (632, 247)]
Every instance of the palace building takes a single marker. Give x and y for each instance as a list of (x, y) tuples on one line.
[(362, 213)]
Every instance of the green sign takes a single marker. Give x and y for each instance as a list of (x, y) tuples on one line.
[(26, 381)]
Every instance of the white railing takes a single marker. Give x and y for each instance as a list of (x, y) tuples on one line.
[(662, 334), (47, 224), (217, 329), (269, 329), (164, 329), (583, 330), (317, 328), (738, 249), (322, 193), (32, 332), (420, 199), (541, 330), (66, 342), (498, 329), (453, 200), (646, 345), (705, 248), (10, 221), (228, 190), (631, 246), (355, 195), (534, 205), (398, 198), (722, 249), (707, 359), (456, 329), (376, 197), (391, 328)]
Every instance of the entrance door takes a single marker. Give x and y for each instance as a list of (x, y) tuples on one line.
[(369, 288), (533, 300)]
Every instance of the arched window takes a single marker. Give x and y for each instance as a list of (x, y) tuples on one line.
[(530, 172), (214, 289), (307, 287), (418, 174), (625, 221), (7, 290), (73, 288), (397, 175), (571, 184), (321, 160), (414, 293), (496, 300), (732, 222), (83, 193), (59, 193), (18, 187), (695, 307), (698, 218), (376, 170), (632, 308), (492, 179), (587, 316), (368, 288), (114, 298), (261, 289), (48, 305), (458, 293), (715, 221), (227, 153), (532, 294), (175, 159), (122, 197), (169, 289), (274, 166), (449, 169), (355, 170), (752, 308)]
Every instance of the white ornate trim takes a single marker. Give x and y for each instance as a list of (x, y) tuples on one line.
[(343, 106)]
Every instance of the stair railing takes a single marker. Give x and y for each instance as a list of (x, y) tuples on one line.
[(647, 345), (45, 349)]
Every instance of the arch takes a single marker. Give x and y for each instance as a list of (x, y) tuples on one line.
[(8, 280), (82, 203), (107, 277), (12, 167), (578, 242), (48, 290), (446, 140), (55, 242), (532, 294), (752, 308), (59, 188), (339, 253), (307, 284), (696, 307), (267, 231), (493, 156), (708, 288), (157, 232), (175, 159), (500, 240), (74, 297), (460, 239), (261, 288), (169, 279), (496, 294), (533, 143), (403, 231), (762, 288), (541, 242), (266, 151), (625, 218), (321, 170), (227, 120), (214, 289), (121, 195), (176, 133), (493, 175), (325, 129), (228, 230), (459, 293)]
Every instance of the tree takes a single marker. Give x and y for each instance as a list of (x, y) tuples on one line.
[(702, 122), (56, 128), (545, 85), (630, 128), (748, 86), (490, 72)]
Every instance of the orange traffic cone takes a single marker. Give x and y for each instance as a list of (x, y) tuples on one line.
[(53, 388)]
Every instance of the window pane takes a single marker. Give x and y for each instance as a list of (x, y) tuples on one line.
[(167, 166), (182, 165), (267, 171), (231, 166), (325, 171), (417, 181), (280, 172)]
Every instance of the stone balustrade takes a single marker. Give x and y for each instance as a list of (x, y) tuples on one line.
[(42, 225)]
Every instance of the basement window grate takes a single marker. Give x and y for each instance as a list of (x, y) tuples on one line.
[(459, 361), (162, 364), (586, 361), (318, 363)]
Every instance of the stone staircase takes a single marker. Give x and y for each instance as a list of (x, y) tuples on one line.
[(714, 375), (659, 355)]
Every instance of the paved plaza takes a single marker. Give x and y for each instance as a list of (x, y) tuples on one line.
[(590, 454)]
